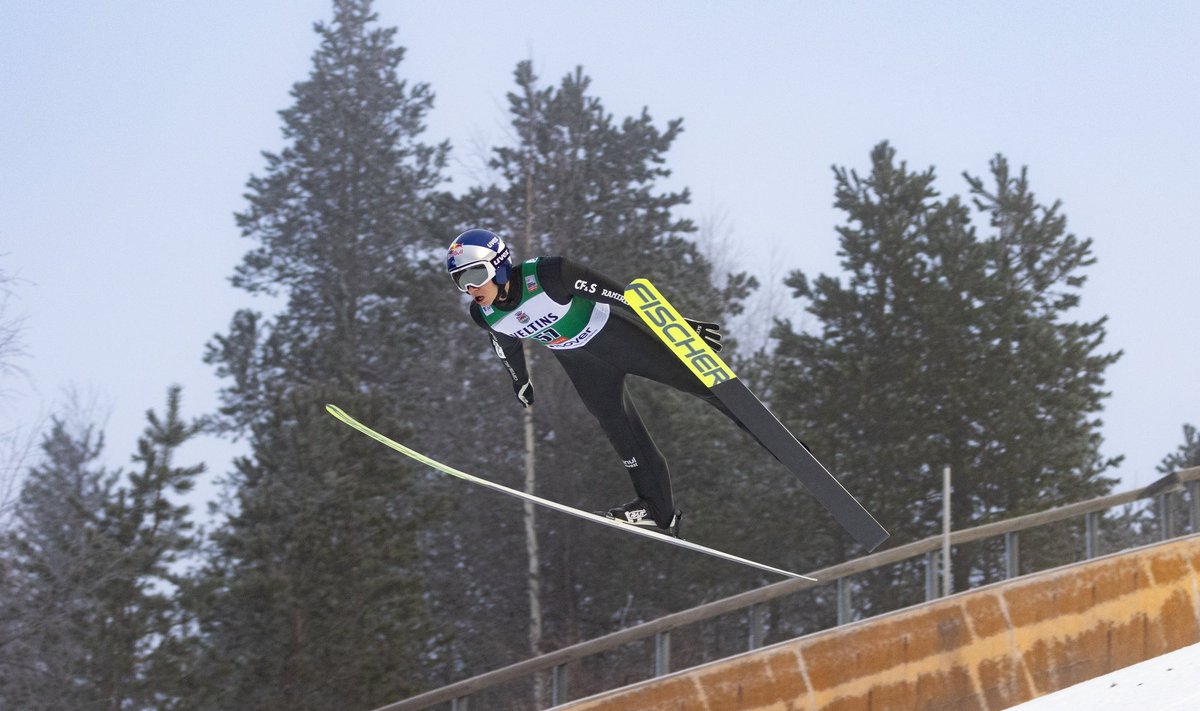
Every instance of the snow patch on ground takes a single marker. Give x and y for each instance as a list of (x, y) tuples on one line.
[(1167, 683)]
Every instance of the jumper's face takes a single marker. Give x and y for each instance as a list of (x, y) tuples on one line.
[(484, 295)]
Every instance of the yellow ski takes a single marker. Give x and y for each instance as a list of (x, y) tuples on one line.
[(669, 326)]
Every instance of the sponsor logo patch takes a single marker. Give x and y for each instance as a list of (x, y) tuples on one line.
[(579, 339), (537, 325), (636, 515)]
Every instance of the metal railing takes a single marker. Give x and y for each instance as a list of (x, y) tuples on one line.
[(1163, 491)]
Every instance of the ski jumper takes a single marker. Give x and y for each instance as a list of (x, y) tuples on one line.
[(582, 317)]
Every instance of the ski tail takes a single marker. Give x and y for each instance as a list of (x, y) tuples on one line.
[(341, 415), (705, 364)]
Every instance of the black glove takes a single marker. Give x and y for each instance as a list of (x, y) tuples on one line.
[(709, 332), (524, 392)]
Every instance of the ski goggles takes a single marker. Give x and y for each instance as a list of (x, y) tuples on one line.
[(474, 275)]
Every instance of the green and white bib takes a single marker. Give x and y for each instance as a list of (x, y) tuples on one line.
[(540, 318)]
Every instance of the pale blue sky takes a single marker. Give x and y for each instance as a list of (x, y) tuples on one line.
[(128, 130)]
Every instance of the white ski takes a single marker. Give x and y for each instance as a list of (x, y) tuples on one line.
[(595, 518)]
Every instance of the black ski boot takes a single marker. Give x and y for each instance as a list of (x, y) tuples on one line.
[(637, 513)]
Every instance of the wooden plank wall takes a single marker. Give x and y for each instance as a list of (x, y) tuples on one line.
[(988, 648)]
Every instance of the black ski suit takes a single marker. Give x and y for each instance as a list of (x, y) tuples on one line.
[(623, 346)]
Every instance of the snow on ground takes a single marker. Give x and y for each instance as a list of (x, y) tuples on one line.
[(1167, 683)]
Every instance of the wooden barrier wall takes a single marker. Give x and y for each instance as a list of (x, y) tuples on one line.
[(988, 648)]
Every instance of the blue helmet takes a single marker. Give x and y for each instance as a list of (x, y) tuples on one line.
[(477, 256)]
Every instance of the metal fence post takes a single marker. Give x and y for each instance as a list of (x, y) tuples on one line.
[(1193, 488), (1164, 515), (758, 630), (1092, 534), (947, 581), (662, 653), (558, 685), (843, 601), (931, 576), (1012, 554)]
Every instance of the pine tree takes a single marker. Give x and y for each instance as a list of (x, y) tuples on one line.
[(49, 618), (313, 596), (92, 571), (310, 600), (1177, 504), (1186, 456), (1141, 523), (341, 216), (947, 348)]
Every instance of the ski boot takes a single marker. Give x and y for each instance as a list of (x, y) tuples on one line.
[(637, 513)]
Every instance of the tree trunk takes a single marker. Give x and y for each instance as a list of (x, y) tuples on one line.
[(531, 538), (531, 550)]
